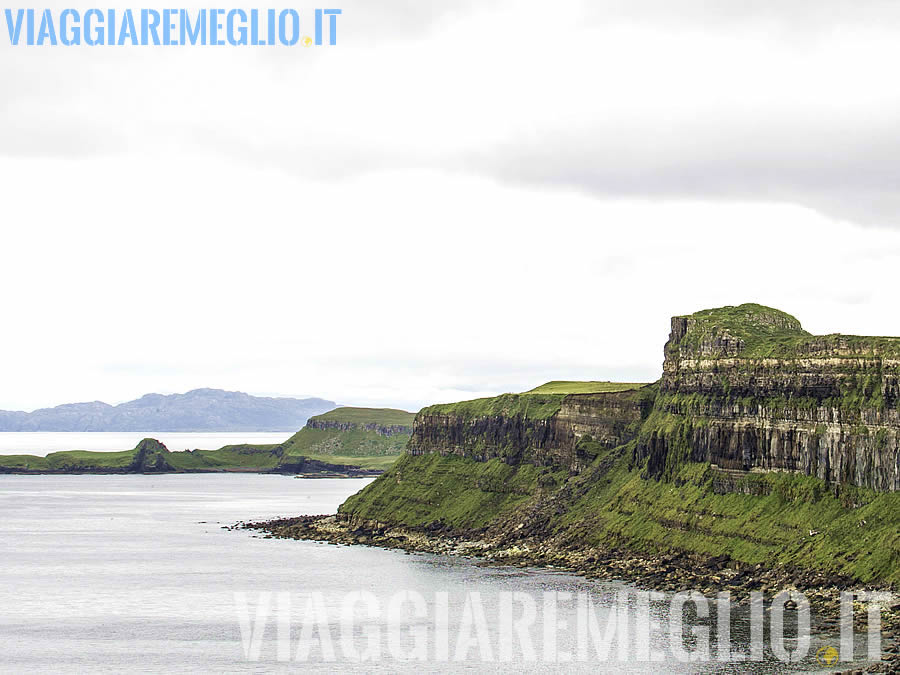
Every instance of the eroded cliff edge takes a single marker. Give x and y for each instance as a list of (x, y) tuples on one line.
[(353, 432), (762, 446), (748, 390), (539, 429)]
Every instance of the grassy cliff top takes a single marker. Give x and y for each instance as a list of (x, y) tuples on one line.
[(770, 333), (749, 318), (594, 387), (355, 441), (539, 403), (751, 322), (763, 330), (532, 406), (383, 416)]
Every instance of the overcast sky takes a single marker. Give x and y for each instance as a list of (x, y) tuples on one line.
[(459, 199)]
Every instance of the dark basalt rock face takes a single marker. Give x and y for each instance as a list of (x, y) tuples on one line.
[(821, 406), (743, 388), (304, 465), (746, 397), (150, 458), (380, 429), (611, 419)]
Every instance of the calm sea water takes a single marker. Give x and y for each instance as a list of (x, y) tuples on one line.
[(136, 573), (44, 442)]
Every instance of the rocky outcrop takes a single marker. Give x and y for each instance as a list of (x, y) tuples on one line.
[(387, 430), (304, 465), (743, 388), (747, 389), (550, 440), (150, 457)]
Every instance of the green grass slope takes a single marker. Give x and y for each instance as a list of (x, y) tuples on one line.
[(350, 443), (356, 441), (532, 406), (237, 458), (771, 333), (566, 387), (243, 457), (143, 456), (83, 459), (423, 489), (23, 462), (855, 531), (539, 403), (383, 416), (778, 518)]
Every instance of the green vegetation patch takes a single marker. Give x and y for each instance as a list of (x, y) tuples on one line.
[(774, 518), (351, 443), (749, 319), (762, 518), (362, 416), (84, 459), (540, 403), (565, 387), (454, 491), (243, 457), (771, 333), (531, 406), (761, 328), (356, 442), (26, 462)]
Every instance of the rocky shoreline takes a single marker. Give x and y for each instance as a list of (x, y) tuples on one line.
[(669, 572)]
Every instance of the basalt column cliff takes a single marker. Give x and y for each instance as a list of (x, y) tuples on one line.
[(761, 444), (747, 389), (534, 428)]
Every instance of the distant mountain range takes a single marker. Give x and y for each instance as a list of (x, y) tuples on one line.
[(197, 410)]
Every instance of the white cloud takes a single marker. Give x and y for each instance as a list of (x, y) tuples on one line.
[(141, 274), (791, 104), (458, 199)]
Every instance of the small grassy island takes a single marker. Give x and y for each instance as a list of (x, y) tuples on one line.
[(345, 441)]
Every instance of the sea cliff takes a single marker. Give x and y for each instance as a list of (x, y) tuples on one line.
[(747, 389), (761, 448), (534, 428)]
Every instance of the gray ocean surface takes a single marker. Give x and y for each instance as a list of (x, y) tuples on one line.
[(137, 574)]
